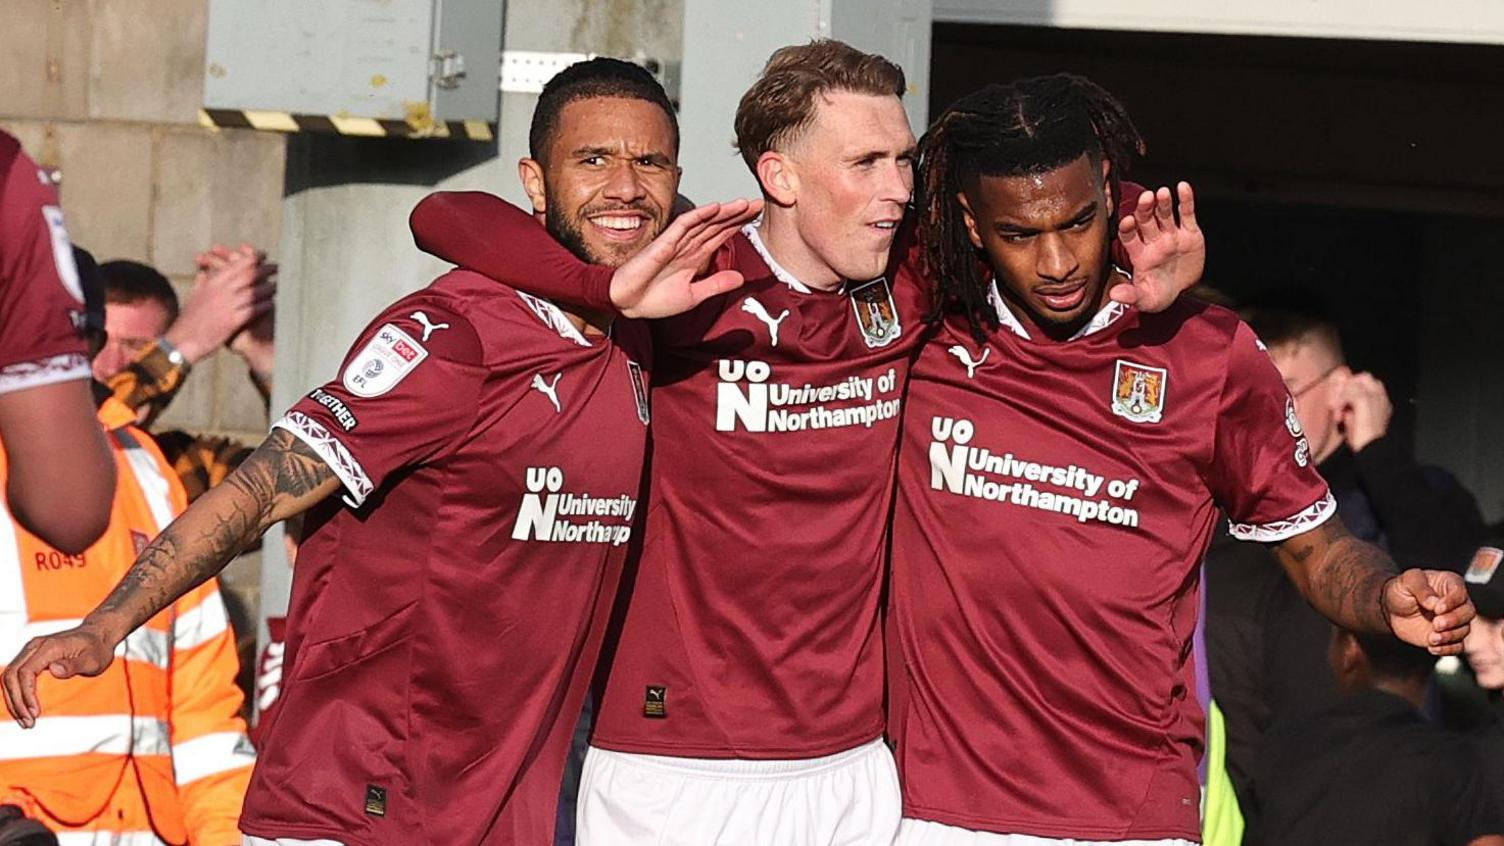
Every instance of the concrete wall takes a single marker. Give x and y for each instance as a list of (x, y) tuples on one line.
[(107, 92)]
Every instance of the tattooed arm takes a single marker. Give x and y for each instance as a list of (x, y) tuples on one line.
[(282, 478), (1354, 584)]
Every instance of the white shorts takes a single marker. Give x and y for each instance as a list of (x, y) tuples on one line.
[(847, 799), (913, 832)]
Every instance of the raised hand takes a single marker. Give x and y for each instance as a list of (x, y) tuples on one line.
[(1168, 257), (661, 280), (1430, 609), (80, 651)]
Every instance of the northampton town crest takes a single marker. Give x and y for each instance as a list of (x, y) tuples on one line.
[(1138, 391), (875, 313)]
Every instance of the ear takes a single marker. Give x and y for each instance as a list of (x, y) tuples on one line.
[(1349, 664), (1107, 189), (971, 220), (530, 171), (778, 177)]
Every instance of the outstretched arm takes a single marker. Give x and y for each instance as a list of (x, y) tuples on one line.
[(283, 477), (1354, 584), (1168, 256), (488, 235)]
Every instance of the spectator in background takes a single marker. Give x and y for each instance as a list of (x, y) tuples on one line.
[(152, 750), (60, 472), (1473, 689), (1370, 769), (153, 346), (1266, 647)]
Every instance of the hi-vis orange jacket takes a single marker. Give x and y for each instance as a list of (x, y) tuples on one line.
[(153, 750)]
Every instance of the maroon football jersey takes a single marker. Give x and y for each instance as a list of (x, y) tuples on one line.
[(41, 303), (1054, 503), (753, 626), (443, 627)]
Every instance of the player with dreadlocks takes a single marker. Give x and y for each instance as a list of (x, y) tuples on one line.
[(1062, 463)]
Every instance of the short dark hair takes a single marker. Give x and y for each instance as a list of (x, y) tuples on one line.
[(1391, 658), (132, 282), (1028, 126), (781, 103), (1282, 319), (598, 77)]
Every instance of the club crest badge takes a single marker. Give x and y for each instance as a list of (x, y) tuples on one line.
[(876, 314), (639, 392), (1292, 422), (1138, 391), (384, 361), (1485, 563)]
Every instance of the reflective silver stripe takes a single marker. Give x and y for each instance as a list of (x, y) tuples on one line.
[(108, 838), (144, 644), (201, 623), (111, 734), (210, 755), (149, 478)]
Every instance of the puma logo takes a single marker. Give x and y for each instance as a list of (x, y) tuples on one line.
[(755, 308), (549, 389), (429, 327), (964, 355)]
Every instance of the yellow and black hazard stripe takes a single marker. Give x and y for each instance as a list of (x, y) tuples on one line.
[(419, 125)]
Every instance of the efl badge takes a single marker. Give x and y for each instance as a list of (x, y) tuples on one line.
[(384, 361), (1485, 562), (639, 391), (1138, 391), (875, 313)]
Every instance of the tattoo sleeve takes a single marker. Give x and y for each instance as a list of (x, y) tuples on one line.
[(1340, 575), (283, 477)]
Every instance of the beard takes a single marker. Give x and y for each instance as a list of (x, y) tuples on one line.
[(569, 230)]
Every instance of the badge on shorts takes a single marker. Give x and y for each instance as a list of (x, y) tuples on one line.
[(1138, 391), (1485, 563), (375, 800), (384, 361), (875, 313), (639, 391), (655, 702)]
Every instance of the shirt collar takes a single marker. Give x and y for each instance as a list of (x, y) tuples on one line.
[(787, 278), (554, 318), (1101, 320)]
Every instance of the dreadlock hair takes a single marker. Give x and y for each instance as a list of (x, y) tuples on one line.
[(1027, 126)]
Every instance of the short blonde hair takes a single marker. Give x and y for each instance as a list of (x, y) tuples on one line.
[(781, 104)]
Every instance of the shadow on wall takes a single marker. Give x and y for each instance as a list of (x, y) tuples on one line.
[(320, 160)]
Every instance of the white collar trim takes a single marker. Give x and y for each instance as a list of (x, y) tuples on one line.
[(554, 318), (1101, 320), (787, 278)]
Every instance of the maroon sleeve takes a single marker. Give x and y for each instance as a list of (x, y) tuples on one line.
[(407, 392), (40, 297), (489, 235), (1261, 472)]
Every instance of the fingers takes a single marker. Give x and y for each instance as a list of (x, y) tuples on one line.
[(1187, 207), (1416, 586), (720, 282), (20, 682), (1164, 210), (1143, 216), (1124, 293)]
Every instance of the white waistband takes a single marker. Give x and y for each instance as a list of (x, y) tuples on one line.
[(748, 768)]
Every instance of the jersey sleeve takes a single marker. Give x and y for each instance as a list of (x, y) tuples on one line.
[(489, 235), (406, 393), (40, 296), (1261, 472)]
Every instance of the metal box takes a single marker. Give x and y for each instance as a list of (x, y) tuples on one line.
[(424, 68)]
